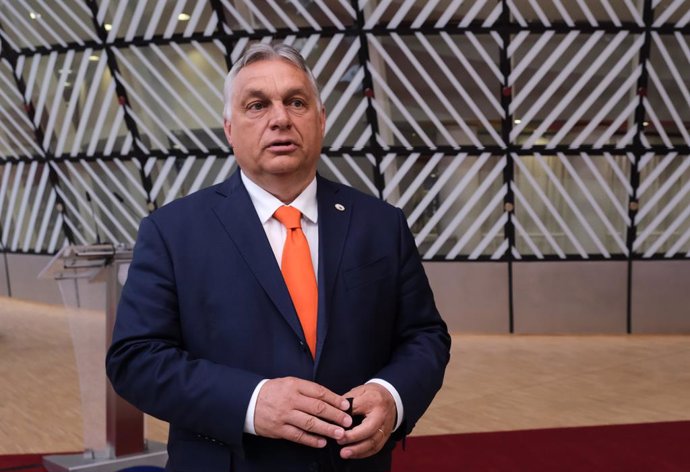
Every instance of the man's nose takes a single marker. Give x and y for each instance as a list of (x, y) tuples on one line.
[(280, 118)]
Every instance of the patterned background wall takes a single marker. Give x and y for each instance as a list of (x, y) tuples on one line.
[(505, 129)]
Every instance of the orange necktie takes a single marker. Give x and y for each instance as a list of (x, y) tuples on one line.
[(298, 272)]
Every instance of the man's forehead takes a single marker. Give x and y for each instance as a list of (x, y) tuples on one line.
[(267, 68), (265, 77)]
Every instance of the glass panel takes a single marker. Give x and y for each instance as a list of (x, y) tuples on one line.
[(41, 23), (29, 219), (421, 99), (454, 203), (176, 94), (571, 205), (663, 221), (575, 89), (104, 200)]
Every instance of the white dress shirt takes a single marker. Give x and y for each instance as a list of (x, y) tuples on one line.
[(265, 205)]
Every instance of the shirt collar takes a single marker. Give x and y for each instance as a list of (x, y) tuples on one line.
[(266, 204)]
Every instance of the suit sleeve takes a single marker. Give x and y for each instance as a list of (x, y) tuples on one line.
[(422, 346), (148, 365)]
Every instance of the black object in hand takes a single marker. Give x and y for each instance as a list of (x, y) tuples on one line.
[(356, 419)]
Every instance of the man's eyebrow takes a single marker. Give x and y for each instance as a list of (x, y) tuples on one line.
[(258, 93)]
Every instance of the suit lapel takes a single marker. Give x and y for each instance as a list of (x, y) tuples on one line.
[(335, 209), (238, 216)]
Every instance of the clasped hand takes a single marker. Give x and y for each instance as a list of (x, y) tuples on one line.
[(307, 413)]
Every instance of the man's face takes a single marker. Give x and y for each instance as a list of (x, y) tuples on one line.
[(277, 126)]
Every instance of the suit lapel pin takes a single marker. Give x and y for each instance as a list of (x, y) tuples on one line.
[(339, 207)]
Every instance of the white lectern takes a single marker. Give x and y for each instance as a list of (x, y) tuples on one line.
[(125, 445)]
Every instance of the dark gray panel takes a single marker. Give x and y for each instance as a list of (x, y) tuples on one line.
[(472, 297), (4, 287), (661, 297), (570, 297)]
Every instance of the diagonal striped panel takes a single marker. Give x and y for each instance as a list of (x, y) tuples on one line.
[(175, 94), (104, 200), (17, 138), (340, 76), (129, 19), (176, 177), (76, 106), (571, 205), (29, 219), (667, 104), (29, 24), (671, 12), (441, 13), (453, 203), (576, 12), (355, 170), (663, 220), (420, 99), (247, 16), (575, 89)]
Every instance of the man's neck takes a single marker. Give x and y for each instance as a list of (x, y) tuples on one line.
[(284, 189)]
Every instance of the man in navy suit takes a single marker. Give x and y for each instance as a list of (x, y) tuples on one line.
[(207, 336)]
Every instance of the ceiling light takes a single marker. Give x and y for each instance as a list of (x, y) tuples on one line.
[(517, 121), (34, 16), (108, 26), (183, 17), (94, 57), (645, 123)]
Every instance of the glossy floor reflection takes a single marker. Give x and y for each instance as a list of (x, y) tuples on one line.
[(493, 382)]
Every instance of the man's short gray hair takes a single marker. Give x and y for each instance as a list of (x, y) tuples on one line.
[(266, 52)]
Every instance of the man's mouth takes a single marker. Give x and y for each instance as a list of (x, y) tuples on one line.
[(282, 146)]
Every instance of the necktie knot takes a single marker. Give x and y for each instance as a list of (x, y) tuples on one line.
[(289, 216)]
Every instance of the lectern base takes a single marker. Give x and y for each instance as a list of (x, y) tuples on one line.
[(155, 454)]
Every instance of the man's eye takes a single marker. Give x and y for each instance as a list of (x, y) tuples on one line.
[(297, 103), (256, 106)]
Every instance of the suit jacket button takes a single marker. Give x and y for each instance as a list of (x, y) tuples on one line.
[(303, 346)]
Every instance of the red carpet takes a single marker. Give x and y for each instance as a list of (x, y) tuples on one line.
[(662, 447), (651, 447), (23, 463)]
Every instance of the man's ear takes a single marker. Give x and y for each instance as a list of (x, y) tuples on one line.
[(323, 120), (227, 130)]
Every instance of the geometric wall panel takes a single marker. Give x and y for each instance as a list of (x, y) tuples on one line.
[(247, 16), (668, 103), (32, 24), (516, 130), (17, 138), (173, 103), (175, 177), (663, 222), (103, 200), (421, 101), (74, 103), (454, 203), (575, 89), (572, 205), (29, 218), (355, 170)]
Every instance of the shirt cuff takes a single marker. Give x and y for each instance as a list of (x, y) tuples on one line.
[(396, 397), (249, 418)]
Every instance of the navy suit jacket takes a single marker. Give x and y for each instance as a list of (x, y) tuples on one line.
[(205, 315)]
